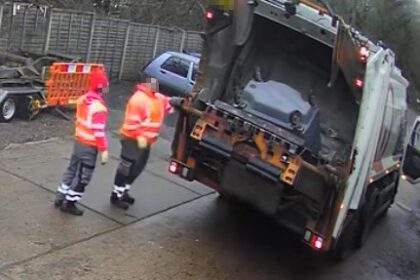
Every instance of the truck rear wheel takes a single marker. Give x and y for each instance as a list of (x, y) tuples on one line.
[(367, 219), (7, 109), (345, 245)]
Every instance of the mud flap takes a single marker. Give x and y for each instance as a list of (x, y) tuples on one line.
[(251, 188)]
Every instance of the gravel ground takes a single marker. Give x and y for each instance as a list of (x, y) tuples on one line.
[(49, 124)]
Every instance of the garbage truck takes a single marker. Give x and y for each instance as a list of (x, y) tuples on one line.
[(299, 115)]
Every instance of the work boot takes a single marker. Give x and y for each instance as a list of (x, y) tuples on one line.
[(59, 198), (119, 202), (128, 198), (71, 208), (58, 202)]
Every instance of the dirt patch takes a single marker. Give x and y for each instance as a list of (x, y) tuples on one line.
[(46, 126)]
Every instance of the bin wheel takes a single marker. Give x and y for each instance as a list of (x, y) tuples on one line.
[(7, 109)]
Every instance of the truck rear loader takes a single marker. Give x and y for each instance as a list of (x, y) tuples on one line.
[(299, 115)]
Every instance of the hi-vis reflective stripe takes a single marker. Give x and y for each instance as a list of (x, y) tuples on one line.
[(119, 191), (151, 124), (134, 119), (99, 134), (98, 126), (73, 193), (94, 108), (149, 129), (85, 135), (141, 126), (73, 198), (130, 126), (63, 189), (85, 123), (150, 134)]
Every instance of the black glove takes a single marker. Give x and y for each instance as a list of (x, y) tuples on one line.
[(176, 102)]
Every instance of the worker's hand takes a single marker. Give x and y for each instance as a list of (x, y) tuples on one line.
[(104, 157), (191, 94), (142, 142), (176, 102)]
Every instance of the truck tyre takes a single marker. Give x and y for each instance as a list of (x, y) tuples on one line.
[(367, 219), (7, 109), (224, 196), (345, 245), (392, 199)]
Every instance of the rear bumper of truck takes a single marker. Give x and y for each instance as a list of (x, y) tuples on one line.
[(259, 189), (229, 151)]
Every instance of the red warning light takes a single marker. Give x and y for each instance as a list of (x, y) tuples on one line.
[(209, 14), (358, 82), (316, 242), (173, 167)]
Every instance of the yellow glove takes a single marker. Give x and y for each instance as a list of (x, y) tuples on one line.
[(104, 157), (142, 142)]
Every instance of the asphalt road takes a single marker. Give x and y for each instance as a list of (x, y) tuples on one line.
[(175, 231)]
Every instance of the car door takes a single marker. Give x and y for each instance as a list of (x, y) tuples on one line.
[(411, 160), (173, 76), (192, 77)]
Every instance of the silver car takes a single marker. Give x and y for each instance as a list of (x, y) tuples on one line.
[(176, 72)]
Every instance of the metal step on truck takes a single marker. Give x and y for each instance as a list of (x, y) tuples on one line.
[(299, 115)]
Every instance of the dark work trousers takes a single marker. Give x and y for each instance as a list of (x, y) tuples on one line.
[(133, 162), (79, 172)]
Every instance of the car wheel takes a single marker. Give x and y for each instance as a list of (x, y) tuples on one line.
[(7, 109)]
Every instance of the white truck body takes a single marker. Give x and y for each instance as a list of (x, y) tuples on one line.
[(336, 166)]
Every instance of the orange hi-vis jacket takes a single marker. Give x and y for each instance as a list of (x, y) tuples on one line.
[(91, 118), (144, 114)]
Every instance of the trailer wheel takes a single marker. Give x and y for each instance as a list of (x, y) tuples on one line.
[(30, 108), (7, 109)]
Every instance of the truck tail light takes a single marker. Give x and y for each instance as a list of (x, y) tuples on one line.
[(358, 83), (209, 14), (314, 240), (181, 169), (173, 167)]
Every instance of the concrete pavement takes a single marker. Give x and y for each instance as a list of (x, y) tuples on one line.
[(176, 230)]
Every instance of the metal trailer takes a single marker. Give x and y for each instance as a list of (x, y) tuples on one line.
[(20, 98), (22, 86), (318, 148)]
